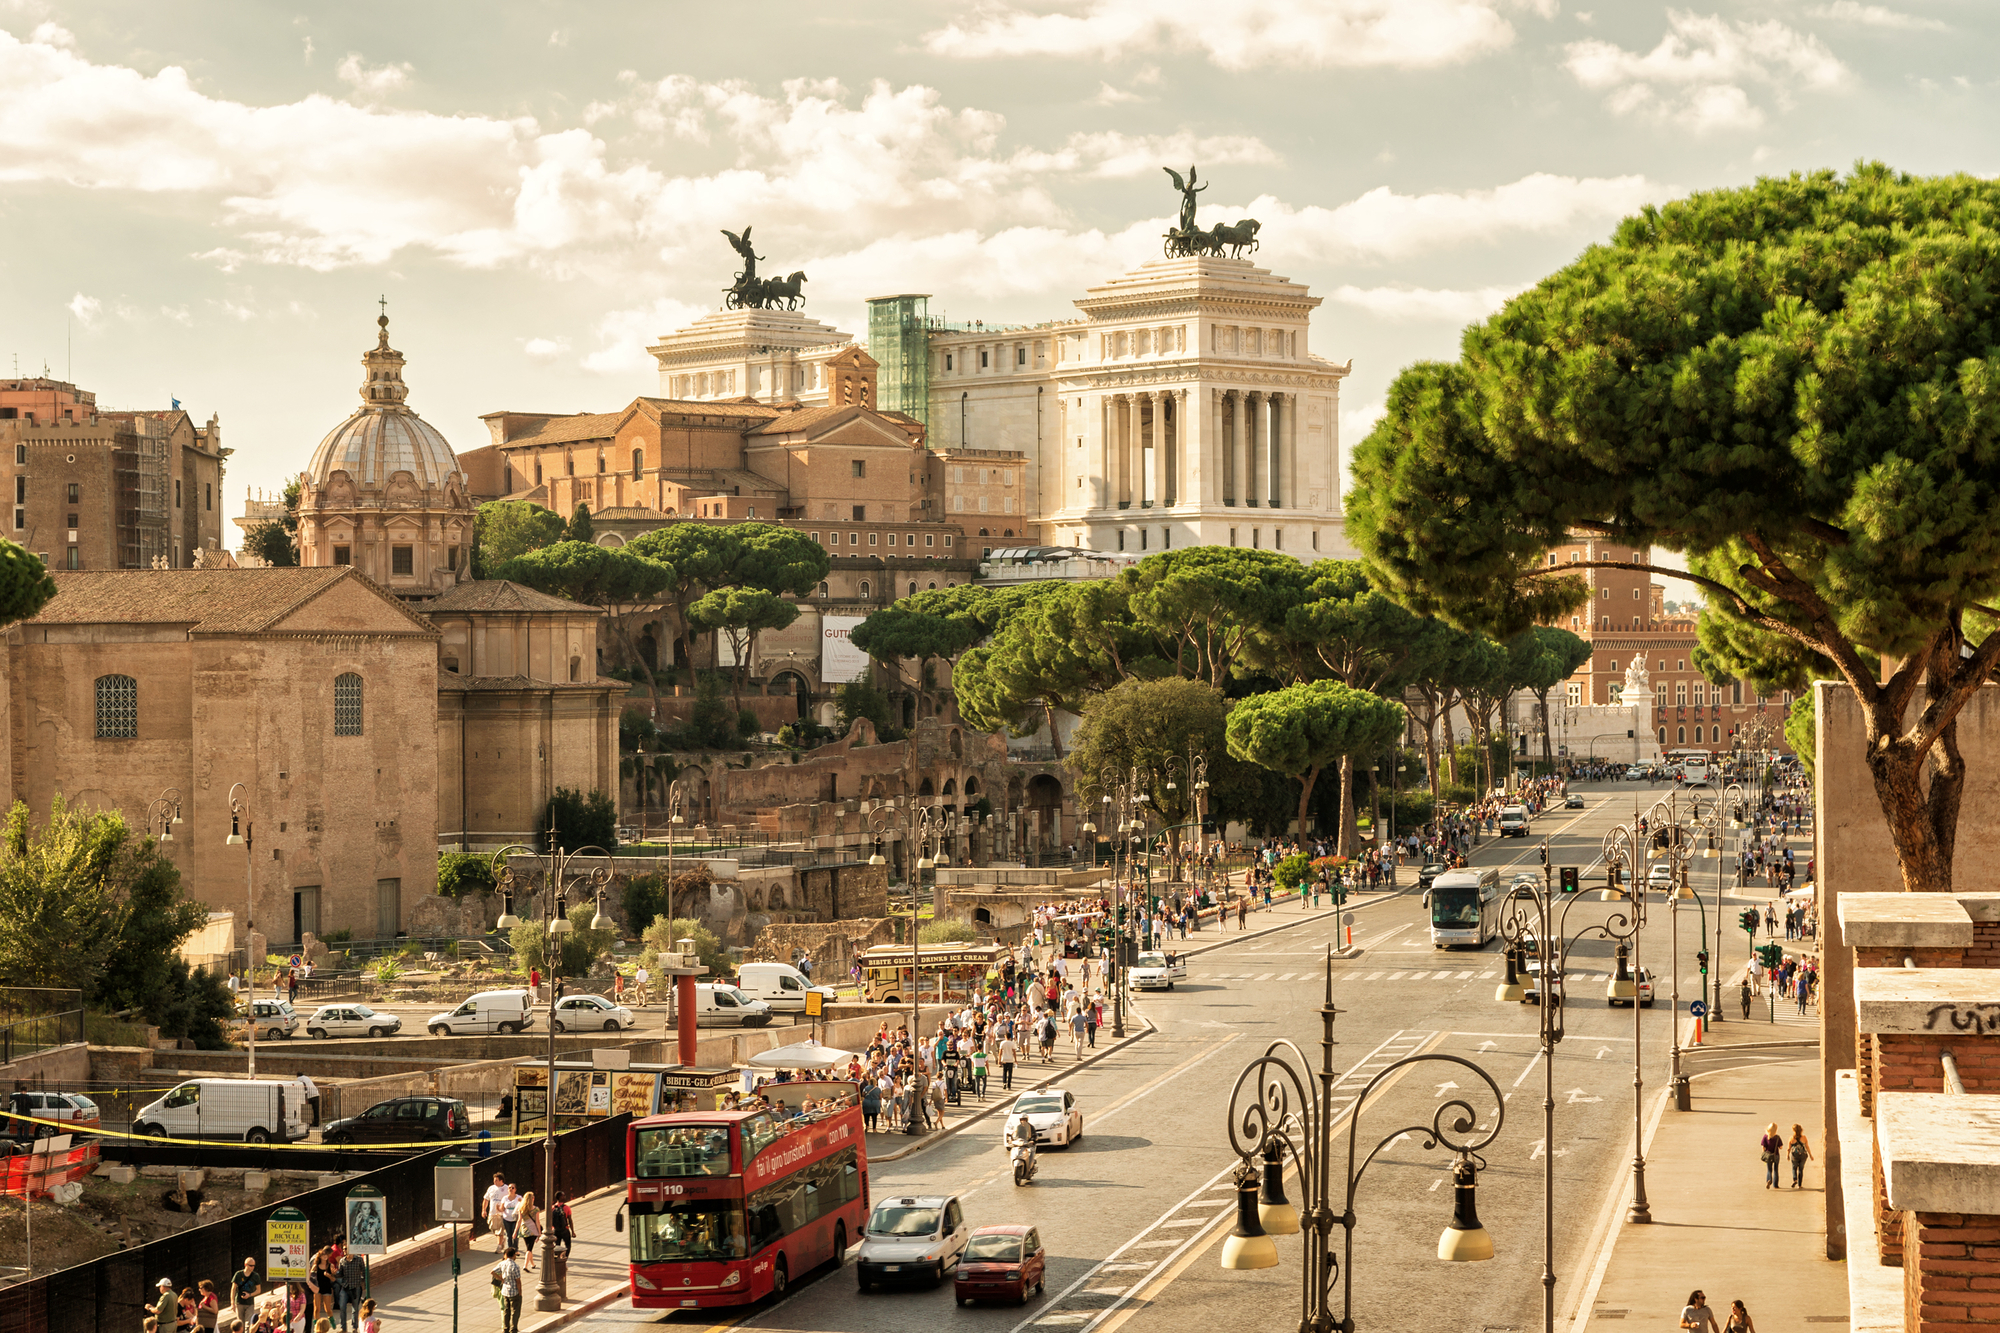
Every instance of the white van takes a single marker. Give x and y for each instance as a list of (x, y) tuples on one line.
[(779, 985), (720, 1005), (1513, 821), (253, 1110), (488, 1011)]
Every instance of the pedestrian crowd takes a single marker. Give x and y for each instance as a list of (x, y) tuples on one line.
[(329, 1297)]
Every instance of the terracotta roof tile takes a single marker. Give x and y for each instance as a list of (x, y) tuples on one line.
[(501, 595), (207, 601), (676, 407), (571, 429)]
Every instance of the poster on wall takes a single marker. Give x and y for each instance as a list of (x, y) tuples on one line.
[(287, 1252), (632, 1094), (839, 660), (367, 1221)]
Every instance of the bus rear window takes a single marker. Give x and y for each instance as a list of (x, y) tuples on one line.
[(682, 1150), (699, 1229)]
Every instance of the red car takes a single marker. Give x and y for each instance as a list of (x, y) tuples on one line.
[(1001, 1261)]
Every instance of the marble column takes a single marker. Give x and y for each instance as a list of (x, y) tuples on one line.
[(1258, 466), (1121, 416), (1277, 411), (1170, 405), (1293, 404), (1239, 451), (1212, 480)]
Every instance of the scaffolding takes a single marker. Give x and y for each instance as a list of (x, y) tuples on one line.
[(899, 340)]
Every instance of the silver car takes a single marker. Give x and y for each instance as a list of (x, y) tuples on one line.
[(914, 1238)]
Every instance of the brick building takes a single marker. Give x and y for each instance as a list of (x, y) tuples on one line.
[(94, 488), (1626, 618)]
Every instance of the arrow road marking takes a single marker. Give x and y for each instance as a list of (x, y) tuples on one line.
[(1603, 1051), (1486, 1046), (1443, 1088), (1576, 1096)]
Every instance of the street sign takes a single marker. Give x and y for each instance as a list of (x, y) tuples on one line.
[(287, 1248), (1347, 918), (815, 1004), (456, 1200), (367, 1221), (1697, 1008)]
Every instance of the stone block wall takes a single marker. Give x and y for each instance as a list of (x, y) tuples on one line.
[(1951, 1272)]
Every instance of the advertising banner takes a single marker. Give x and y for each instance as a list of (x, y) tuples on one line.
[(287, 1247), (839, 660), (367, 1222)]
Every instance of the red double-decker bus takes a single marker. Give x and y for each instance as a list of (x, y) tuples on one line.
[(729, 1206)]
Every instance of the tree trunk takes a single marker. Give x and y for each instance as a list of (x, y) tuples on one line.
[(1431, 755), (1548, 748), (1923, 823), (1375, 798), (1307, 780), (1055, 736)]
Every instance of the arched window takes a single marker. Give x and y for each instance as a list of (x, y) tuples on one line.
[(864, 587), (913, 590), (932, 587), (347, 704), (822, 589), (117, 707), (638, 464), (1663, 735), (1680, 735)]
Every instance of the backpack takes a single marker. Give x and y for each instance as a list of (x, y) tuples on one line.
[(1798, 1150)]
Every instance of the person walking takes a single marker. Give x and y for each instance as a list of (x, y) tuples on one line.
[(1079, 1029), (1739, 1319), (243, 1288), (1800, 1151), (529, 1229), (979, 1070), (1007, 1053), (507, 1288), (1243, 909), (496, 1208), (510, 1214), (320, 1281), (1769, 1147), (562, 1224), (1697, 1317), (369, 1323), (207, 1305), (350, 1280), (871, 1104)]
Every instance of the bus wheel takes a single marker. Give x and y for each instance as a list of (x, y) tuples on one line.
[(839, 1244), (778, 1277)]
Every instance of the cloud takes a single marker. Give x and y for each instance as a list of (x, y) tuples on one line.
[(1876, 16), (87, 309), (1108, 96), (375, 80), (1385, 225), (623, 335), (1426, 303), (560, 37), (1405, 34), (1695, 77), (545, 349)]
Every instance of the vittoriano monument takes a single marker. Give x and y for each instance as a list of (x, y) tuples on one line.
[(1188, 239), (754, 293)]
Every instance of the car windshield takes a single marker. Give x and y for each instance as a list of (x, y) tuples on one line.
[(899, 1219), (683, 1150), (1038, 1106), (1454, 907), (364, 1011), (1152, 960), (1002, 1249)]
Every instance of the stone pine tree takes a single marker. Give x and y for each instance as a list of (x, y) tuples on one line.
[(25, 585), (614, 580), (1303, 729), (741, 614), (1557, 653), (1151, 727), (580, 528), (1796, 385)]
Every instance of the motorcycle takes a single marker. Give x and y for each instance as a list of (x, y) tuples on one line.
[(1023, 1155)]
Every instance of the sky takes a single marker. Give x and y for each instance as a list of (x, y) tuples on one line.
[(205, 201)]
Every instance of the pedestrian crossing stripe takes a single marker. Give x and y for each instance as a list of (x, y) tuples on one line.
[(1446, 974)]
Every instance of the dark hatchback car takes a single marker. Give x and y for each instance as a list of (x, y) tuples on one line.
[(404, 1120), (1001, 1263)]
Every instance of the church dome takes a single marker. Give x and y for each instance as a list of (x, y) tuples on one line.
[(384, 436)]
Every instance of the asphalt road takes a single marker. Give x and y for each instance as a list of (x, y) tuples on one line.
[(1134, 1213)]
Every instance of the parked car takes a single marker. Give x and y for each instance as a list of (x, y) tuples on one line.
[(404, 1120), (720, 1005), (351, 1020), (912, 1238), (77, 1113), (1057, 1119), (1001, 1261), (488, 1011), (1154, 970), (253, 1110), (1573, 801), (780, 985), (273, 1019), (1428, 872), (588, 1013)]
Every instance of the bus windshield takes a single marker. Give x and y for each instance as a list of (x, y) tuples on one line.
[(682, 1150), (697, 1229), (1454, 907)]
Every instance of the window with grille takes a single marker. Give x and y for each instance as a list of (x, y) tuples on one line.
[(117, 707), (347, 704), (400, 560)]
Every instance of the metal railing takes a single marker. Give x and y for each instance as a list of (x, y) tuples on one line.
[(25, 1036)]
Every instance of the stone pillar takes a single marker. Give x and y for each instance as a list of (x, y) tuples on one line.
[(1259, 467), (1296, 497), (1209, 487), (1147, 412), (1281, 417), (1239, 452), (1170, 403), (1101, 484)]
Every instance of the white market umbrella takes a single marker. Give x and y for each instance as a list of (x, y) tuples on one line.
[(802, 1055)]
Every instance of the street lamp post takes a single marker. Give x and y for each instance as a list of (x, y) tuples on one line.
[(240, 835), (1276, 1116), (1536, 922), (922, 824), (1622, 847), (556, 924)]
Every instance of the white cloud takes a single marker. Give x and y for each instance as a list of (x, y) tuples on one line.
[(1426, 303), (560, 37), (178, 314), (545, 349), (1107, 154), (87, 309), (1385, 225), (624, 335), (373, 80), (1695, 77), (1876, 16), (1400, 34), (309, 50), (1108, 96)]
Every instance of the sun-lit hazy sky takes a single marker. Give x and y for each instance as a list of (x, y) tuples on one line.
[(205, 200)]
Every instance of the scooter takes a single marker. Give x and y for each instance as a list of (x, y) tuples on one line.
[(1023, 1155)]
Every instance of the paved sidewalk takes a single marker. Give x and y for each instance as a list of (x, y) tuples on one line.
[(1716, 1227)]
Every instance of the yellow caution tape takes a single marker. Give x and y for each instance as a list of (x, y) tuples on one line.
[(74, 1127)]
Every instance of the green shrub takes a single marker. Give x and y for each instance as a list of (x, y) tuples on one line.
[(747, 724), (663, 937), (460, 873), (947, 932), (1291, 870), (386, 969), (579, 820), (337, 937)]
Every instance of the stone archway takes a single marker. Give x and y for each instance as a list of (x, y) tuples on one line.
[(801, 689)]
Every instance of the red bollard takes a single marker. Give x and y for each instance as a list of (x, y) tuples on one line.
[(685, 985)]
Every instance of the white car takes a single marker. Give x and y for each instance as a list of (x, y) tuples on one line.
[(1052, 1111), (590, 1012), (1154, 970), (351, 1020), (1644, 978), (1660, 877)]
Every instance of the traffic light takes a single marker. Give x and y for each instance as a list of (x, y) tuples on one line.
[(1701, 959), (1748, 919), (1545, 856), (1770, 955), (1568, 879)]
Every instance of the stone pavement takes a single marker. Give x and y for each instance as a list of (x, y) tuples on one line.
[(1715, 1226)]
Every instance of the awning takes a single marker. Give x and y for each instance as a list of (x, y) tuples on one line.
[(802, 1055)]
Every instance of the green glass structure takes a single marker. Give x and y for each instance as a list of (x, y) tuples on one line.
[(899, 340)]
